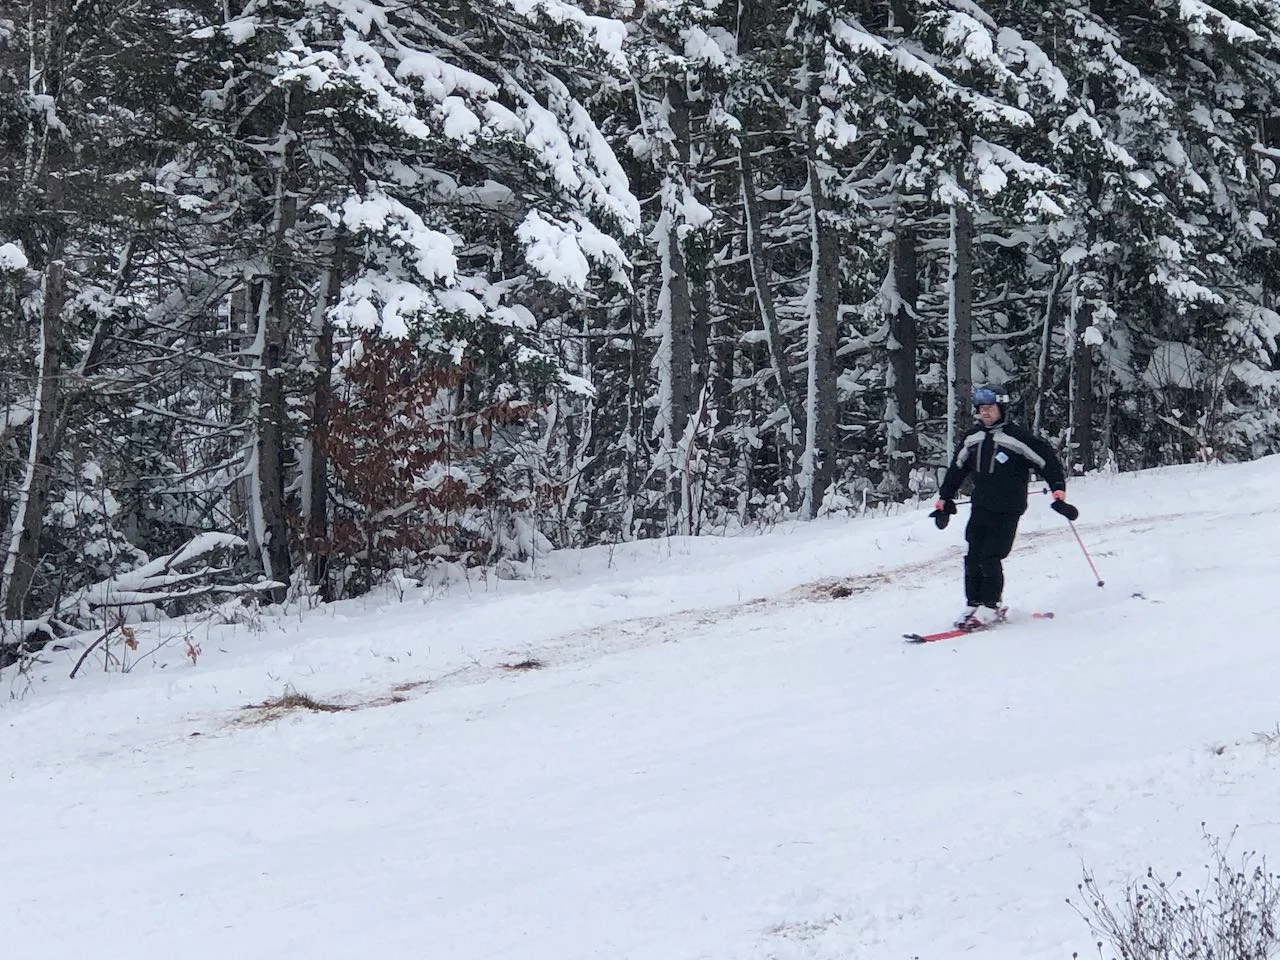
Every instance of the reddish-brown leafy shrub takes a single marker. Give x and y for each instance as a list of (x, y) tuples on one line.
[(416, 473)]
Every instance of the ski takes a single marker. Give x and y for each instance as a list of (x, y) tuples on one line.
[(962, 631)]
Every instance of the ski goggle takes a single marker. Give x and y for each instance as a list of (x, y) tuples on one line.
[(985, 395)]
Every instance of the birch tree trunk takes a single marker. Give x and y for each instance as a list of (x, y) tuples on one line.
[(23, 554)]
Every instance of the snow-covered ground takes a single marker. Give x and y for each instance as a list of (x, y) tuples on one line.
[(715, 756)]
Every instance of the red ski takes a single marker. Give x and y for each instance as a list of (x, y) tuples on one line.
[(961, 631)]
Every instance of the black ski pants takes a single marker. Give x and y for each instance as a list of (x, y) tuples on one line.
[(990, 536)]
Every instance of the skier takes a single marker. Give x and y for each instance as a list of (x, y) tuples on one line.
[(1000, 455)]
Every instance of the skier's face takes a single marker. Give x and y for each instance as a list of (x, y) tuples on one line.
[(989, 413)]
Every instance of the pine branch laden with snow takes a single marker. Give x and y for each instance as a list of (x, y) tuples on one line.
[(469, 140)]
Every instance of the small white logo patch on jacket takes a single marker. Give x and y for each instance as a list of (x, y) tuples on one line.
[(1002, 457)]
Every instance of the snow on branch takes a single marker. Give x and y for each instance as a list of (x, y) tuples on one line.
[(973, 45), (359, 66), (607, 35), (238, 31), (538, 110), (405, 261), (1037, 64), (185, 575), (16, 416), (12, 257), (1181, 289), (431, 252), (994, 165), (858, 41), (1131, 85), (439, 79), (561, 251), (165, 579), (1209, 21)]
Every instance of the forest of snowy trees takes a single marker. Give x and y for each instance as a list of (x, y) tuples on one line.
[(300, 295)]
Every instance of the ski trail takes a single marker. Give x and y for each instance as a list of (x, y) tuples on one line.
[(578, 647)]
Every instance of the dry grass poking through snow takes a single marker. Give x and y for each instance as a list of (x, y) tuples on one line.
[(288, 702)]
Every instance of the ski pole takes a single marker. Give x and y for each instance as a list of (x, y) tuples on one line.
[(1083, 549), (1101, 582)]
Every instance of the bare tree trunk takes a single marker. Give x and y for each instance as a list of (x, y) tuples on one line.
[(960, 326), (760, 281), (23, 555), (721, 348), (1083, 454), (1051, 311), (316, 492), (244, 327), (824, 296), (675, 303), (902, 427), (268, 500), (633, 443), (903, 442), (47, 24), (701, 335), (903, 21), (105, 326), (754, 17), (1087, 293), (702, 277), (700, 385)]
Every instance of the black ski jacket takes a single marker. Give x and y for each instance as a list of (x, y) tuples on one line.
[(1001, 458)]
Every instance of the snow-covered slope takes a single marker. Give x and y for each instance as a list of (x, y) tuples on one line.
[(712, 756)]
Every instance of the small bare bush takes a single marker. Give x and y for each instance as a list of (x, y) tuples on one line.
[(1232, 915)]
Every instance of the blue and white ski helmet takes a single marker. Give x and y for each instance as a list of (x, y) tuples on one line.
[(988, 394)]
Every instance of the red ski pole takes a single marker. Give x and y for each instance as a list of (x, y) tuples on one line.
[(1101, 582), (1083, 549)]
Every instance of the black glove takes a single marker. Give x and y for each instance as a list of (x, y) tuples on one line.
[(941, 517), (1066, 509)]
